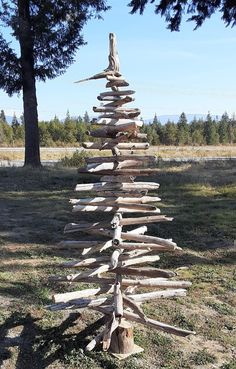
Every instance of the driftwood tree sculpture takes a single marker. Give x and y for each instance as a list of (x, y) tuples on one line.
[(123, 253)]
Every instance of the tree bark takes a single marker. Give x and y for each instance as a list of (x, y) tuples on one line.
[(32, 154)]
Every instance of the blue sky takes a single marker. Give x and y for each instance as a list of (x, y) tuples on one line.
[(190, 71)]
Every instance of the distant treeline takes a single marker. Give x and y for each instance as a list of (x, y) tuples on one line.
[(74, 131)]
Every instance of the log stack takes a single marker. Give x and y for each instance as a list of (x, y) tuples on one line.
[(114, 261)]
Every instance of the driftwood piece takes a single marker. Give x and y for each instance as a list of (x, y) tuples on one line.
[(146, 272), (117, 83), (113, 131), (120, 145), (130, 171), (122, 341), (126, 178), (110, 328), (68, 296), (96, 167), (116, 93), (150, 239), (114, 200), (123, 208), (111, 159), (145, 220), (119, 102), (117, 186), (110, 109)]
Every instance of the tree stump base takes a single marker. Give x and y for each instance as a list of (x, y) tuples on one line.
[(122, 341)]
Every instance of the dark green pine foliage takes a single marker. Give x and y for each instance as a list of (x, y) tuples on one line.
[(170, 133), (197, 132), (210, 131), (198, 10), (223, 129), (182, 130), (49, 34)]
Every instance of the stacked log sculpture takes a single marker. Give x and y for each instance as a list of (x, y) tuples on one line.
[(122, 254)]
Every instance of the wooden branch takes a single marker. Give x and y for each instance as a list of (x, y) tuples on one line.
[(117, 186), (78, 304), (120, 115), (68, 296), (110, 109), (146, 272), (120, 145), (117, 236), (115, 258), (144, 246), (130, 171), (95, 341), (131, 304), (123, 208), (116, 93), (110, 328), (142, 297), (96, 167), (145, 220), (114, 200), (110, 159), (103, 74), (110, 178), (150, 239), (118, 300), (157, 325), (156, 282), (120, 102), (117, 83), (113, 131)]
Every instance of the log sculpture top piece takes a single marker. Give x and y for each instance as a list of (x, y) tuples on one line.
[(115, 250)]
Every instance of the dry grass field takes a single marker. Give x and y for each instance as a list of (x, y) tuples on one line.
[(57, 153), (34, 209)]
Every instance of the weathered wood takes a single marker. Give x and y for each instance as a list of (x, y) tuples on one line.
[(68, 296), (132, 305), (123, 208), (115, 258), (110, 178), (158, 325), (118, 300), (150, 239), (122, 341), (103, 74), (130, 171), (117, 235), (110, 327), (120, 145), (121, 115), (95, 341), (119, 102), (96, 167), (110, 109), (150, 246), (114, 200), (145, 220), (113, 131), (146, 272), (117, 186), (142, 297), (116, 93), (117, 83), (149, 322), (110, 159)]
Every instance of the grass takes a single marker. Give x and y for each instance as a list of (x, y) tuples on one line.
[(34, 209), (56, 153)]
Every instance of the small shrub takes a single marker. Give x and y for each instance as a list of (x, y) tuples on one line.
[(76, 160), (202, 357)]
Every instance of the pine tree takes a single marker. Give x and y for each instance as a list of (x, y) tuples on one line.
[(210, 131), (182, 130), (170, 133), (223, 129), (86, 118), (49, 34), (3, 116)]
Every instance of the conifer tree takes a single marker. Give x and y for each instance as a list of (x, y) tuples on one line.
[(49, 34), (182, 130)]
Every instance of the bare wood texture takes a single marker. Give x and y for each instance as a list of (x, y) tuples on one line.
[(120, 145), (119, 102), (68, 296), (121, 115), (144, 246), (130, 171), (113, 131), (117, 83), (147, 219), (96, 167), (118, 300), (110, 109), (122, 341), (103, 74), (116, 93), (146, 272), (130, 208), (110, 159), (117, 186), (149, 239), (114, 200), (117, 178), (110, 328)]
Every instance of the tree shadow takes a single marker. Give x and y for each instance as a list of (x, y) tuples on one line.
[(39, 347)]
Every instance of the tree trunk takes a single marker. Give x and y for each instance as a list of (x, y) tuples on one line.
[(32, 154)]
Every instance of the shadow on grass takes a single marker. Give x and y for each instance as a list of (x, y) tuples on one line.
[(39, 347)]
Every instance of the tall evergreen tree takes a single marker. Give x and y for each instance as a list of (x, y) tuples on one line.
[(49, 34), (199, 10), (2, 116), (210, 131), (223, 129), (183, 130)]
